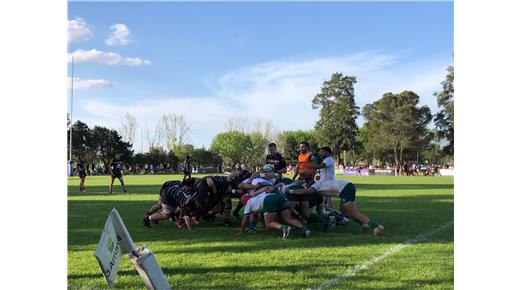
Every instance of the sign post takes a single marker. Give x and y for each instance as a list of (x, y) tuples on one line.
[(108, 253), (113, 242)]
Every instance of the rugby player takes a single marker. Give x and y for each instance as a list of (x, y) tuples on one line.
[(82, 173), (304, 169), (329, 186), (188, 182), (187, 167), (272, 204), (274, 158), (116, 168), (174, 195), (217, 192)]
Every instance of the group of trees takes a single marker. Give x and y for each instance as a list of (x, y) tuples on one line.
[(396, 129), (200, 157), (243, 143), (99, 144)]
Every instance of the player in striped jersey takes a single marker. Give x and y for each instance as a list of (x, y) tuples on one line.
[(188, 182), (217, 192), (173, 195)]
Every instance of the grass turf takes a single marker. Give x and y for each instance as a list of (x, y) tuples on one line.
[(213, 257)]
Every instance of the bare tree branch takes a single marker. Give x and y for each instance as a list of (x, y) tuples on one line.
[(128, 128)]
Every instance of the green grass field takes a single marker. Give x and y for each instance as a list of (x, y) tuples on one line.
[(213, 257)]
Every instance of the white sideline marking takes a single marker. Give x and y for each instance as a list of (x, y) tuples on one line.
[(367, 264)]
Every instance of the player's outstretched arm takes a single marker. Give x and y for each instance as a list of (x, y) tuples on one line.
[(261, 190), (302, 191)]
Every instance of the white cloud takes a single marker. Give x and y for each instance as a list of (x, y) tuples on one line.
[(279, 91), (119, 35), (80, 84), (79, 30), (110, 58), (289, 86)]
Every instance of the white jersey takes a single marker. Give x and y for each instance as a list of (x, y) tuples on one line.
[(261, 180), (255, 204), (328, 173), (335, 186)]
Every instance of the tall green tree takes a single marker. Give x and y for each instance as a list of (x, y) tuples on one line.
[(257, 151), (204, 157), (232, 146), (395, 122), (182, 150), (107, 143), (338, 113), (444, 120), (81, 142)]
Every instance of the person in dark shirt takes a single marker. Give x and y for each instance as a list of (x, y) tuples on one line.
[(116, 171), (274, 158), (217, 192), (186, 167), (173, 196), (82, 173)]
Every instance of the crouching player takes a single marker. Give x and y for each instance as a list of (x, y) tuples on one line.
[(173, 196), (156, 207), (272, 205), (345, 190)]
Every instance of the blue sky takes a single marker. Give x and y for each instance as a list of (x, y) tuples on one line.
[(263, 61)]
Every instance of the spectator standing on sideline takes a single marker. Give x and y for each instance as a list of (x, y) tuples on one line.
[(187, 167)]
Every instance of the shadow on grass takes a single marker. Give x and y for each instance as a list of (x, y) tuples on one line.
[(202, 272), (102, 190)]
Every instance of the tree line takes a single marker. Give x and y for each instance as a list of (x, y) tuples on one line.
[(396, 129)]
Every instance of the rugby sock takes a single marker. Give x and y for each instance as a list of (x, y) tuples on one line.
[(373, 224), (253, 224), (283, 227)]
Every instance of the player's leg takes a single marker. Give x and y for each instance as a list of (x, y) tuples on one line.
[(271, 222), (237, 210), (304, 209), (226, 200), (163, 215), (111, 183), (122, 183), (253, 220), (286, 217), (237, 194), (348, 207), (81, 184), (275, 203), (153, 209), (292, 204)]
